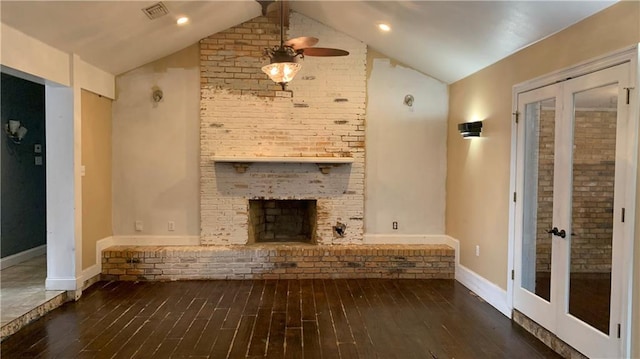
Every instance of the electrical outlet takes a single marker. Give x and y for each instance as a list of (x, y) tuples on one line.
[(477, 251), (171, 226), (139, 226), (395, 225)]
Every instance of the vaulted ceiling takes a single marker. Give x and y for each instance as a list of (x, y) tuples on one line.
[(444, 39)]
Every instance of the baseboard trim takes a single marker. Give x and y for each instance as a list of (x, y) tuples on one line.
[(155, 241), (100, 246), (485, 289), (90, 273), (23, 256), (90, 279), (61, 283), (405, 239)]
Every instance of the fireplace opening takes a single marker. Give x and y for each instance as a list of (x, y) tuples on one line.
[(282, 221)]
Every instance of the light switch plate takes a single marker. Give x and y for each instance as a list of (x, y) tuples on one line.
[(37, 148)]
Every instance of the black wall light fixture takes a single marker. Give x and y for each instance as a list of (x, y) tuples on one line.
[(470, 129)]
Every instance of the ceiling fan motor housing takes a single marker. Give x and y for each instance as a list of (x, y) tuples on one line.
[(282, 54)]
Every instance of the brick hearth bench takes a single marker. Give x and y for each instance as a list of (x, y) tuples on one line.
[(272, 261)]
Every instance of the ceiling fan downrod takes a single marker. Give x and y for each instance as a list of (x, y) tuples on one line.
[(283, 67)]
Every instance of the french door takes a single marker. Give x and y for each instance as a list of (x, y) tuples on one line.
[(572, 155)]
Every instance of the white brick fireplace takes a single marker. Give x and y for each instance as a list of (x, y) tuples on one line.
[(284, 142)]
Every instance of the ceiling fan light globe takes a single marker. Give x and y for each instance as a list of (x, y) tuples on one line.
[(281, 72)]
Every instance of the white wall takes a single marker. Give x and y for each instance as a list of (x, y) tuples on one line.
[(156, 147), (31, 56), (405, 151), (155, 174)]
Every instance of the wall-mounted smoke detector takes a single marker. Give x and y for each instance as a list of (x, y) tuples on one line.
[(155, 11)]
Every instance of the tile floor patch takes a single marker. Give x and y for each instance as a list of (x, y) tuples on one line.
[(23, 297)]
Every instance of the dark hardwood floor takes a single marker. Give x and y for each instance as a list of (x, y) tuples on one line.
[(351, 318)]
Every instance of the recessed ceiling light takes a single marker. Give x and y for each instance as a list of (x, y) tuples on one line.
[(183, 20), (384, 27)]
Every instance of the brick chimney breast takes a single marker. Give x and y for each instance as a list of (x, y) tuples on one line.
[(243, 113)]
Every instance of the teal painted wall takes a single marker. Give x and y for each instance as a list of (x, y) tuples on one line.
[(23, 185)]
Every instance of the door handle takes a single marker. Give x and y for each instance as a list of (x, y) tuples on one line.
[(560, 233)]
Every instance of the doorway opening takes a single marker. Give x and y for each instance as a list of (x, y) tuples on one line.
[(572, 149)]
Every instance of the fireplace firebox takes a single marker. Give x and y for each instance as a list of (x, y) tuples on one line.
[(282, 221)]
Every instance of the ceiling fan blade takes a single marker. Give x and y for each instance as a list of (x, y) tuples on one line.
[(323, 51), (301, 42)]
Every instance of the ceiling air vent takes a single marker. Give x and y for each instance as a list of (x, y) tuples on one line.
[(155, 11)]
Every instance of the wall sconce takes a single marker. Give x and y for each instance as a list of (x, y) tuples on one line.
[(157, 94), (470, 129), (408, 100), (15, 131)]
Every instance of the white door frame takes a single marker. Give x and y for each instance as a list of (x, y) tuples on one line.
[(630, 55)]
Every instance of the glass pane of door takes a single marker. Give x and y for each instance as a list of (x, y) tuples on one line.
[(593, 173), (539, 154)]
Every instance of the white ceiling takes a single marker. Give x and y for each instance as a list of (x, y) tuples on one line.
[(450, 40), (445, 39)]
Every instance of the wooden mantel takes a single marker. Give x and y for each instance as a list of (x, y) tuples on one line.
[(241, 163)]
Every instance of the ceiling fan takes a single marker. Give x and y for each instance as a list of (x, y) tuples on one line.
[(283, 66)]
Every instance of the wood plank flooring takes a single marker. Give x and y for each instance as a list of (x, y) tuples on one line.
[(348, 318)]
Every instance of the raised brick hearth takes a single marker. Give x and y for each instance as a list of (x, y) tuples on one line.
[(289, 261)]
